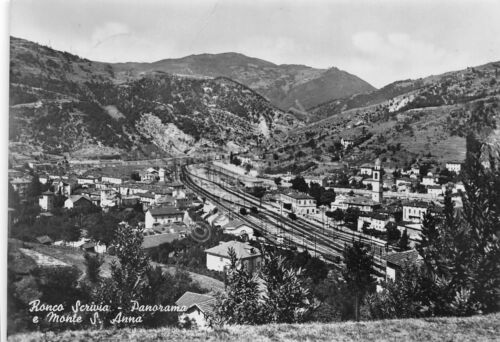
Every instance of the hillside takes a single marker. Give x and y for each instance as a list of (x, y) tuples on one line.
[(477, 328), (61, 103), (406, 120), (284, 85)]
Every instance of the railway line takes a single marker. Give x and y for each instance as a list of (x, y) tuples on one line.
[(313, 237)]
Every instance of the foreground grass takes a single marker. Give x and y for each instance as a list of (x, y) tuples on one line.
[(477, 328)]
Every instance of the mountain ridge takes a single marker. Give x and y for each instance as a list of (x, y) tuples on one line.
[(282, 84), (62, 103)]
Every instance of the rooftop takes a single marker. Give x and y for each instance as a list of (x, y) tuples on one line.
[(402, 258), (204, 302), (164, 211), (417, 204), (243, 250), (297, 195), (359, 200)]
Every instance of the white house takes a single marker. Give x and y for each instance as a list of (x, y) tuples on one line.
[(373, 220), (435, 190), (163, 215), (454, 167), (111, 180), (218, 257), (302, 204), (46, 201), (428, 180), (198, 309), (238, 228), (366, 169), (346, 142), (414, 211), (87, 180)]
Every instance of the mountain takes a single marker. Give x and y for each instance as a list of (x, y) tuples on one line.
[(61, 103), (284, 85), (427, 118)]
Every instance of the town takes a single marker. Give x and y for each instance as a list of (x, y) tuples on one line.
[(381, 205)]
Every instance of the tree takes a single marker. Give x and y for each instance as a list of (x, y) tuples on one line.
[(104, 228), (93, 263), (337, 214), (351, 215), (277, 181), (128, 276), (242, 303), (275, 294), (461, 249), (327, 197), (135, 176), (287, 299), (34, 190), (393, 233), (406, 297), (259, 192), (404, 241), (299, 184), (357, 272), (72, 233)]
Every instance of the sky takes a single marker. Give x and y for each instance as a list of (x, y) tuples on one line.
[(380, 41)]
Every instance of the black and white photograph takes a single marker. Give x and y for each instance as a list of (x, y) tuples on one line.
[(251, 170)]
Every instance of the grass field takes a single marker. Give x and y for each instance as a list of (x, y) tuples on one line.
[(73, 256), (478, 328)]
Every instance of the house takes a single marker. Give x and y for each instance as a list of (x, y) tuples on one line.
[(167, 201), (346, 142), (62, 188), (20, 185), (162, 215), (78, 201), (366, 169), (362, 203), (149, 198), (218, 257), (414, 211), (414, 231), (130, 201), (435, 190), (373, 221), (176, 185), (415, 169), (397, 261), (428, 180), (44, 240), (112, 180), (301, 203), (198, 308), (46, 201), (315, 179), (86, 180), (183, 203), (238, 228), (159, 235), (454, 166), (149, 175)]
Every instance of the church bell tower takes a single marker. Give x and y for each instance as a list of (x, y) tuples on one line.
[(377, 184)]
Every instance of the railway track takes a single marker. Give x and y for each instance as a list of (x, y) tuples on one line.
[(329, 247)]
